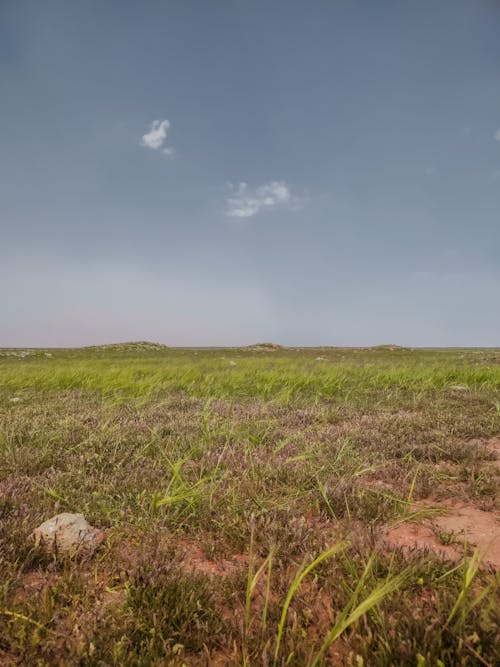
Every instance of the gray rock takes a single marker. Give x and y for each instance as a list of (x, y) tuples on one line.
[(67, 533)]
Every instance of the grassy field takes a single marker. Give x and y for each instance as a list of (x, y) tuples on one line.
[(261, 506)]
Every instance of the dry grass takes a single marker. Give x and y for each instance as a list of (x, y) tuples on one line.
[(219, 484)]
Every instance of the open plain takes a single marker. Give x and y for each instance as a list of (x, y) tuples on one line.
[(255, 506)]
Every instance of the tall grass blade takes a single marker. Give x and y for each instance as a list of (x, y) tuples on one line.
[(299, 577), (373, 599), (469, 574)]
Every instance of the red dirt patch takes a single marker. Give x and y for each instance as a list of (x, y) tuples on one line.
[(32, 583), (414, 536), (196, 561), (128, 553), (472, 525), (466, 523)]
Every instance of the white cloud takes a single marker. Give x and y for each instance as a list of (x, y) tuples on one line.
[(497, 134), (157, 136), (245, 203)]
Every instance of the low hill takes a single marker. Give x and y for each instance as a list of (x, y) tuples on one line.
[(266, 347), (134, 346)]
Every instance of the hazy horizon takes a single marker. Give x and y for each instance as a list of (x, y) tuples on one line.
[(219, 174), (255, 343)]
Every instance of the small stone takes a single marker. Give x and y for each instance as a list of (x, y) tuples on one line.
[(67, 533)]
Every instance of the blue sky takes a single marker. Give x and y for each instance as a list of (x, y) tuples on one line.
[(226, 172)]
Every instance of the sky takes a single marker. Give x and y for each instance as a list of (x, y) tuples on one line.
[(236, 171)]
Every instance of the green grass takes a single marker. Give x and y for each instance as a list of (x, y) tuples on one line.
[(280, 376), (281, 468)]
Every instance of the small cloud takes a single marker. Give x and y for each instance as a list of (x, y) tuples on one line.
[(496, 134), (157, 136), (245, 203)]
